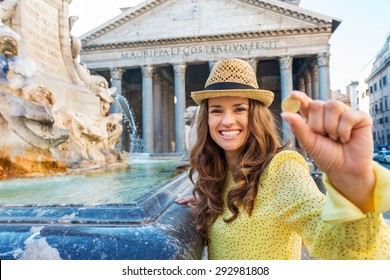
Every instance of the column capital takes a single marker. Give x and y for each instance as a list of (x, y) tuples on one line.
[(147, 71), (116, 73), (323, 59), (286, 62), (180, 69)]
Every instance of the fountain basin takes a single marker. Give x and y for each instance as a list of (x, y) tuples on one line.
[(151, 226)]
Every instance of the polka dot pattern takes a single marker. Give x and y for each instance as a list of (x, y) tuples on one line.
[(286, 211)]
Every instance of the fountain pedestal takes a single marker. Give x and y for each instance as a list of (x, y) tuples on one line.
[(153, 227)]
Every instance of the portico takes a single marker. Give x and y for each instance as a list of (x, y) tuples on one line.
[(158, 52)]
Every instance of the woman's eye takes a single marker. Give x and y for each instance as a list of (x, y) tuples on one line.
[(215, 111), (241, 109)]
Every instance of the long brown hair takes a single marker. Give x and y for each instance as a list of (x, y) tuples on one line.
[(209, 166)]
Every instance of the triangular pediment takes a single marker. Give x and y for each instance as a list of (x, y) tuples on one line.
[(174, 19)]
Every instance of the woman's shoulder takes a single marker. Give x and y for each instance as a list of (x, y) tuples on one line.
[(286, 158)]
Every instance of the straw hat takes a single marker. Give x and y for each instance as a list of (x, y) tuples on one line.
[(233, 77)]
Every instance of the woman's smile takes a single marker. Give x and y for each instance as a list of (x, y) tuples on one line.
[(230, 134)]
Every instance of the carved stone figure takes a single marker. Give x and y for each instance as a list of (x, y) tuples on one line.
[(106, 95), (7, 10), (31, 121), (190, 126), (96, 83), (27, 134), (75, 41), (91, 139), (189, 135)]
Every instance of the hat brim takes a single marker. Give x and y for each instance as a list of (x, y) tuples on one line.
[(264, 96)]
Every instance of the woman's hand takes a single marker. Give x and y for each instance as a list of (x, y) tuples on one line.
[(339, 140), (187, 200)]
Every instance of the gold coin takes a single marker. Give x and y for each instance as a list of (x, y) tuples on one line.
[(291, 105)]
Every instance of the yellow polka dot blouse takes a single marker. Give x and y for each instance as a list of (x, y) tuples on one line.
[(289, 208)]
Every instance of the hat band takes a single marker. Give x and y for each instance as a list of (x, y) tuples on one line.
[(228, 85)]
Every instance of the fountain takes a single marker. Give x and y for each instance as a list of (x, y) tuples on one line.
[(89, 201), (54, 113)]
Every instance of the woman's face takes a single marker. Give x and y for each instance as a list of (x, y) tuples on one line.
[(228, 122)]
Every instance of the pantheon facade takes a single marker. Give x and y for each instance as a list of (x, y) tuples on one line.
[(158, 52)]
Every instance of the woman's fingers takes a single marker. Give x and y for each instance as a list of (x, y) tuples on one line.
[(333, 111), (352, 123), (304, 100), (315, 117), (185, 200), (301, 130), (323, 117)]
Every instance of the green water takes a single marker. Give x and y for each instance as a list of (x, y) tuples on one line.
[(112, 187)]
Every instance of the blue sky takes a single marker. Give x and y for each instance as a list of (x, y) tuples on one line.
[(360, 36)]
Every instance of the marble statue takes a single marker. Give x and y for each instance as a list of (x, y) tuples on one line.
[(190, 126), (190, 115)]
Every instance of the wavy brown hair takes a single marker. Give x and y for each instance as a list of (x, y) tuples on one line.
[(209, 166)]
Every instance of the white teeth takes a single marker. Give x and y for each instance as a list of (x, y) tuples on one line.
[(230, 133)]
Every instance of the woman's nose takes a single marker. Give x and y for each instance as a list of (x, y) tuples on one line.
[(228, 119)]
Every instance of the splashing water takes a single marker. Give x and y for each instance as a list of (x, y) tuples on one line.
[(129, 121)]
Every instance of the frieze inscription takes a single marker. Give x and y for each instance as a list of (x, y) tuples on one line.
[(196, 50)]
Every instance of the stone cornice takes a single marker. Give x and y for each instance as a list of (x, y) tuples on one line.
[(210, 38), (287, 11), (282, 9)]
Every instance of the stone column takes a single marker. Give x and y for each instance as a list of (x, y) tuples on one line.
[(253, 62), (286, 86), (211, 64), (157, 114), (180, 106), (314, 81), (147, 108), (323, 76), (171, 108), (165, 115), (308, 83), (116, 79)]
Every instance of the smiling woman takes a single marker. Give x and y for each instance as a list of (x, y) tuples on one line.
[(254, 199)]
